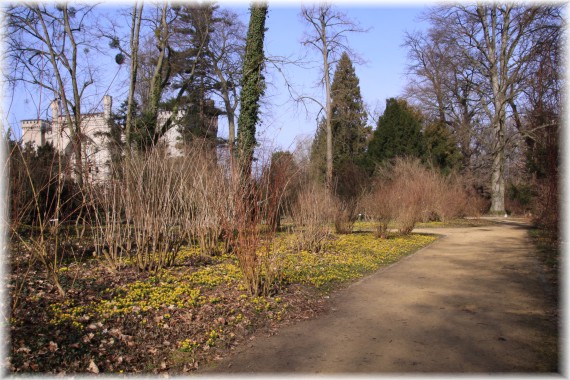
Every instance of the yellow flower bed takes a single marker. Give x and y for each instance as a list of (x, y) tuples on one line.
[(349, 256), (167, 290)]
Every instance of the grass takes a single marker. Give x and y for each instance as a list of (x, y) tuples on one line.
[(186, 315), (547, 247), (548, 252), (454, 223)]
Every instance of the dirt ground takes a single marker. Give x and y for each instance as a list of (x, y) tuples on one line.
[(475, 301)]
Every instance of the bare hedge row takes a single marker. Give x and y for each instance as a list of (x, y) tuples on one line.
[(152, 205)]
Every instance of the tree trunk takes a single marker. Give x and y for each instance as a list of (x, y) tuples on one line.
[(137, 17), (157, 80), (496, 59), (498, 177), (230, 114), (253, 87), (329, 168), (498, 168)]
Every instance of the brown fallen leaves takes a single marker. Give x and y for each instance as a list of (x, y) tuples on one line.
[(144, 342), (93, 367)]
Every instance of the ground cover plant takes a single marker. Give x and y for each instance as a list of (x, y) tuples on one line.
[(181, 317), (548, 252)]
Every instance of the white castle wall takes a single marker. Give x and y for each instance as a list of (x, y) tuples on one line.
[(95, 127)]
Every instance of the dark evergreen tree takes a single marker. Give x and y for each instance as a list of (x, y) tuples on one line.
[(398, 134), (441, 148), (193, 68), (253, 87), (348, 123), (319, 152), (143, 129), (350, 133)]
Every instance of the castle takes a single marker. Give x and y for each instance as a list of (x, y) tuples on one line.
[(95, 128)]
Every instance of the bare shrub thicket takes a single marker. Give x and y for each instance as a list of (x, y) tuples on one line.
[(447, 197), (377, 207), (159, 203), (546, 213), (258, 205), (248, 244), (211, 208), (43, 202), (312, 215), (408, 181), (281, 181), (345, 215), (156, 206), (111, 232), (406, 193)]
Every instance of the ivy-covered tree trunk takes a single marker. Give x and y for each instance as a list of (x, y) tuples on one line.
[(247, 197), (253, 87)]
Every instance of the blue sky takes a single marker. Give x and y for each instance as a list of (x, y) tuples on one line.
[(381, 76)]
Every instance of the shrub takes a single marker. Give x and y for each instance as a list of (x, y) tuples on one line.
[(519, 198), (451, 200), (546, 214), (377, 207), (157, 203), (155, 200), (312, 214), (257, 259), (406, 193), (210, 205), (409, 181), (345, 215), (43, 202), (351, 180)]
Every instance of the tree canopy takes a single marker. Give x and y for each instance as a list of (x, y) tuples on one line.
[(398, 133)]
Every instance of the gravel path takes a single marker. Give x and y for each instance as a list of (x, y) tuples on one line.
[(472, 302)]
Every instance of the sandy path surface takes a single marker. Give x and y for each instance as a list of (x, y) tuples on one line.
[(473, 301)]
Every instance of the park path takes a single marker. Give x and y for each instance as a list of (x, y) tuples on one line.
[(472, 302)]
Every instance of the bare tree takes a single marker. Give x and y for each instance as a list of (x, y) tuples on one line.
[(134, 48), (496, 41), (441, 85), (327, 34), (117, 40), (158, 65), (162, 69), (49, 47), (226, 50)]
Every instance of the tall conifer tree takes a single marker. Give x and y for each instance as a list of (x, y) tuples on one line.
[(348, 122), (348, 115)]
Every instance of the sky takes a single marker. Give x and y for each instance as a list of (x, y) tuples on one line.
[(381, 74)]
